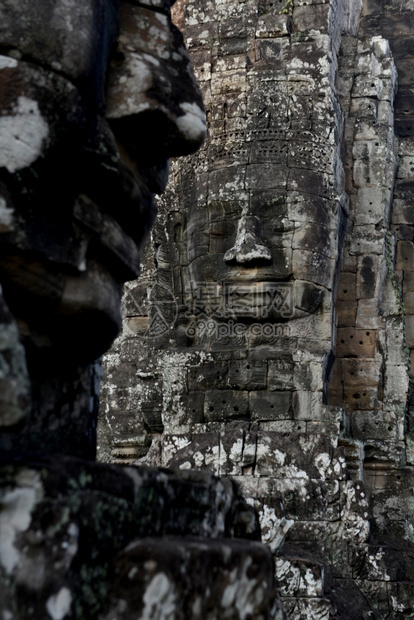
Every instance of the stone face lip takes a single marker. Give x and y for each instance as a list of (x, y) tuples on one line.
[(71, 518)]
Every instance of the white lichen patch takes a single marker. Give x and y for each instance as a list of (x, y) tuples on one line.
[(356, 526), (159, 599), (22, 135), (192, 125), (322, 462), (236, 450), (16, 515), (185, 465), (126, 94), (58, 605), (7, 63), (273, 529)]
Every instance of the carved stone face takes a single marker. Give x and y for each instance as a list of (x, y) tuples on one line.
[(251, 257), (94, 99), (260, 206)]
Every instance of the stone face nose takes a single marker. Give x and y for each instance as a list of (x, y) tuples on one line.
[(248, 247)]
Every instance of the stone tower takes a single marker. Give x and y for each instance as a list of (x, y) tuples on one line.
[(274, 346)]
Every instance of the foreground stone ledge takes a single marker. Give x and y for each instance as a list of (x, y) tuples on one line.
[(63, 521), (192, 578)]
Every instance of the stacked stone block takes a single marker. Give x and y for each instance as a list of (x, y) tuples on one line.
[(311, 420)]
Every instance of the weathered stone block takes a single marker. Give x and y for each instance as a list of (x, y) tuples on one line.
[(360, 372), (396, 383), (402, 213), (103, 505), (266, 405), (408, 301), (226, 183), (316, 238), (248, 375), (270, 93), (404, 259), (381, 88), (201, 452), (346, 313), (353, 342), (269, 151), (307, 405), (401, 597), (361, 398), (373, 425), (298, 576), (249, 451), (210, 375), (372, 205), (232, 451), (229, 81), (308, 499), (223, 405), (309, 155), (283, 426), (370, 162), (191, 408), (265, 176), (311, 182), (381, 563), (347, 286), (230, 62), (298, 451), (367, 278), (313, 267), (234, 28), (234, 108), (313, 50), (409, 332), (191, 576), (403, 232), (368, 315), (273, 26), (131, 442), (280, 374), (315, 608), (271, 50), (307, 208), (47, 42)]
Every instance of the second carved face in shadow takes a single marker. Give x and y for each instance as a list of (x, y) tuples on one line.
[(94, 99)]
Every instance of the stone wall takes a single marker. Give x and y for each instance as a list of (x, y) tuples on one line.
[(275, 344)]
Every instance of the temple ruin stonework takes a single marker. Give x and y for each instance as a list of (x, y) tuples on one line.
[(269, 338), (95, 97)]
